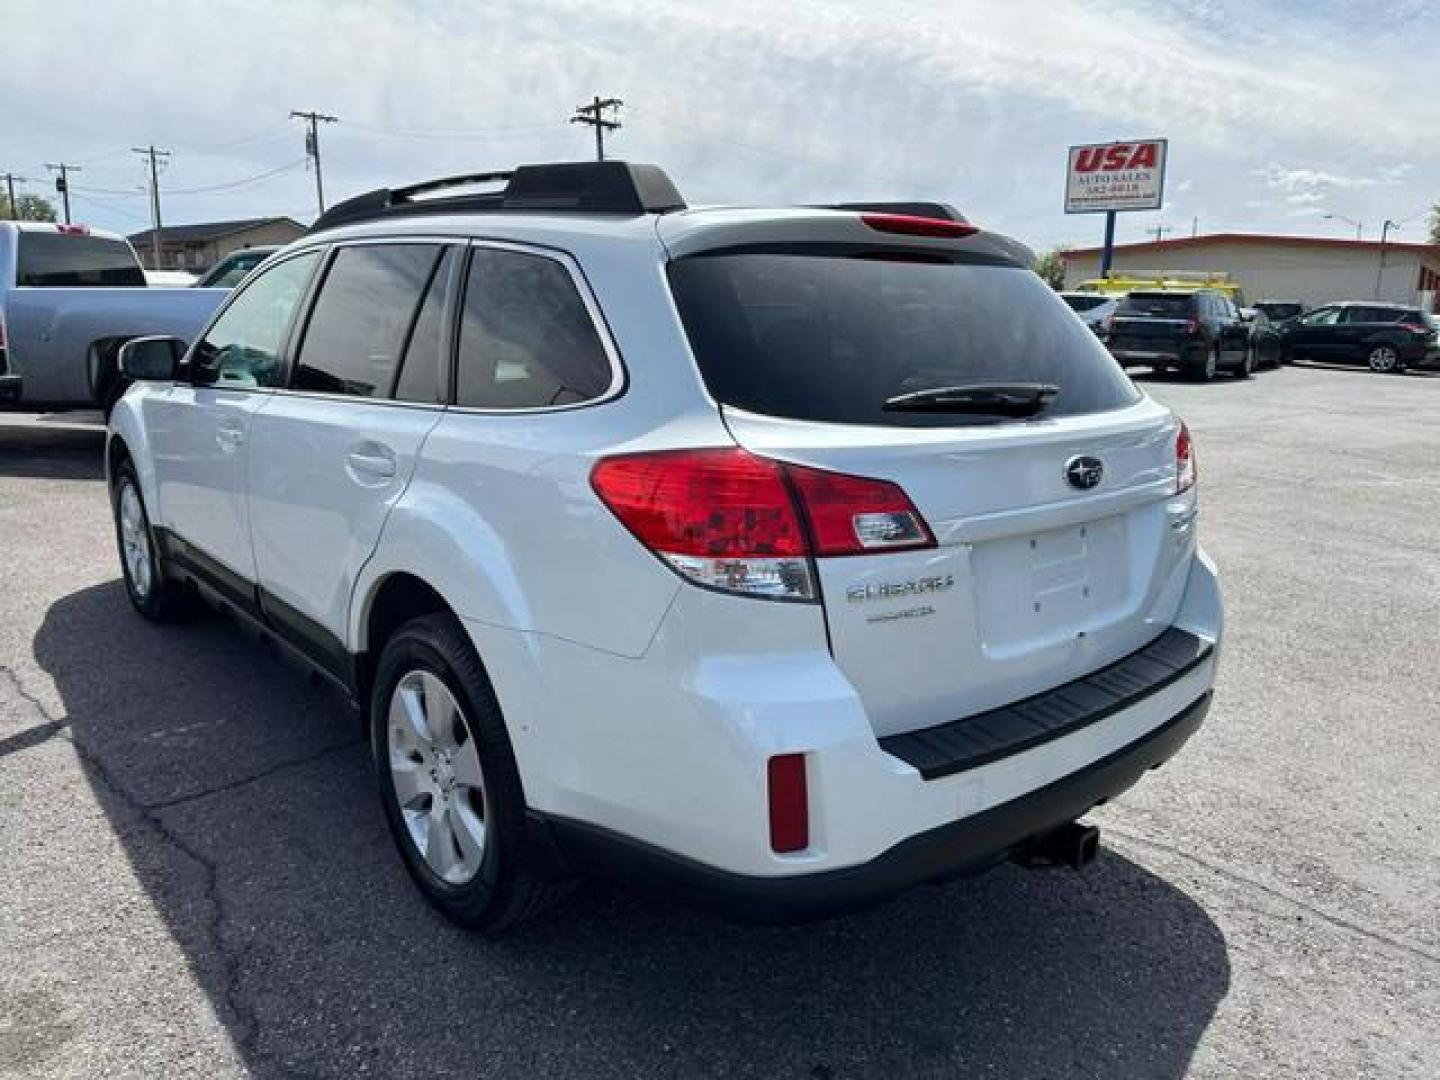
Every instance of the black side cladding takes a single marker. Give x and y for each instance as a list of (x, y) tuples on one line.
[(985, 737)]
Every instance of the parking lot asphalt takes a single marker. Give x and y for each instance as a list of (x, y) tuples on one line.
[(195, 878)]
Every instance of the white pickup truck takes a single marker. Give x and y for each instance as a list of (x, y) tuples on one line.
[(69, 297)]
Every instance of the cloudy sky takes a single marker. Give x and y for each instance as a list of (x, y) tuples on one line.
[(1277, 112)]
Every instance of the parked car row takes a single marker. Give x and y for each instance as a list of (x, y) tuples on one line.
[(1201, 332)]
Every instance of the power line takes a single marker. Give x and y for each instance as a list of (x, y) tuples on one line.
[(231, 185), (593, 115), (312, 146), (62, 182), (155, 156), (453, 134)]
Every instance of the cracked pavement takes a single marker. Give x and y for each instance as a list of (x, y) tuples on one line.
[(195, 878)]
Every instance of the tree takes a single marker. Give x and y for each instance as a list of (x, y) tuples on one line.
[(1051, 267), (31, 207), (1435, 224)]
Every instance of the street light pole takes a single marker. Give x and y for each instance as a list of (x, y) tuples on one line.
[(1384, 235), (1341, 217)]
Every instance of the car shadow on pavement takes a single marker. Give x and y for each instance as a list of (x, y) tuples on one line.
[(242, 794), (60, 454)]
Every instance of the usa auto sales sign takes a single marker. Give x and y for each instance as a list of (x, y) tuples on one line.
[(1116, 176)]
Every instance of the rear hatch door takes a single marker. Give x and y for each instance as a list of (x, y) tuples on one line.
[(1037, 577), (1152, 323)]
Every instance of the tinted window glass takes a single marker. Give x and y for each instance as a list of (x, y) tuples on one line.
[(1084, 303), (1372, 315), (830, 338), (1281, 312), (55, 258), (1322, 317), (246, 339), (526, 338), (1159, 305), (229, 272), (362, 318), (420, 374)]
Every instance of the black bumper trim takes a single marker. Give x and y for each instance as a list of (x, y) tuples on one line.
[(977, 740), (965, 846)]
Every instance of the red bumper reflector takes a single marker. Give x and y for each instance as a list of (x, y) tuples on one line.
[(789, 804)]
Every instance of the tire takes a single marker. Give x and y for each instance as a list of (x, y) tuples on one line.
[(467, 859), (152, 592), (1247, 365), (1207, 370), (1384, 360)]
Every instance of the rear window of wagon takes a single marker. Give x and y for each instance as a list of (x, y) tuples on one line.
[(812, 335)]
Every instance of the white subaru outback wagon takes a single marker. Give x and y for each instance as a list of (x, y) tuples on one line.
[(784, 558)]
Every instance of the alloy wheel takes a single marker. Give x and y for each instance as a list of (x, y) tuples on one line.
[(135, 540), (1383, 358), (435, 769)]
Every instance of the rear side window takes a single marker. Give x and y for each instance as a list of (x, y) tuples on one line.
[(1089, 302), (362, 318), (831, 337), (1372, 315), (1159, 305), (69, 260), (527, 340)]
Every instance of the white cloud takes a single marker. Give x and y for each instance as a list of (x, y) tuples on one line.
[(743, 101)]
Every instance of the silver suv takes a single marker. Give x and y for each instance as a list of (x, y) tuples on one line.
[(782, 557)]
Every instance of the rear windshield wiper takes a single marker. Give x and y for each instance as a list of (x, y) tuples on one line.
[(980, 399)]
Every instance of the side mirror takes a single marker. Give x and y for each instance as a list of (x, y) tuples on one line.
[(151, 359)]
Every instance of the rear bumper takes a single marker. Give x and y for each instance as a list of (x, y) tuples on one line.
[(1159, 354), (968, 845), (669, 751)]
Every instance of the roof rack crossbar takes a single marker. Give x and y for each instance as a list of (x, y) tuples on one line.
[(583, 186)]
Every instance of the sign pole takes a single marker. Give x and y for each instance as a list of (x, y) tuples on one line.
[(1108, 254)]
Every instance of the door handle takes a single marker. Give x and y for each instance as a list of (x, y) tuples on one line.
[(370, 462)]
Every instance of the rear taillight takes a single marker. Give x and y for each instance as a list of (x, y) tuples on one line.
[(789, 803), (910, 225), (729, 520), (1184, 460), (1416, 328)]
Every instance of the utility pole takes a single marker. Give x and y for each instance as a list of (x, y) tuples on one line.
[(154, 156), (1194, 226), (1384, 235), (10, 181), (1160, 231), (312, 146), (62, 183), (594, 115)]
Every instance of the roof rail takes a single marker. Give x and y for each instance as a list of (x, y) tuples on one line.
[(585, 186), (940, 210)]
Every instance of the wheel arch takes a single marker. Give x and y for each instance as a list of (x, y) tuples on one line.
[(389, 602)]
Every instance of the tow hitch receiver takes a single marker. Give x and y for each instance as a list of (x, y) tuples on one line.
[(1073, 845)]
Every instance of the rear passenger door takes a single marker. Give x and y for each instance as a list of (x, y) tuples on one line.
[(333, 451)]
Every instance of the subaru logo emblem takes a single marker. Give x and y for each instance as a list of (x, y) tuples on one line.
[(1084, 472)]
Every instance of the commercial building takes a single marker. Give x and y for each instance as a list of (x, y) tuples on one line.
[(1314, 270), (198, 247)]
